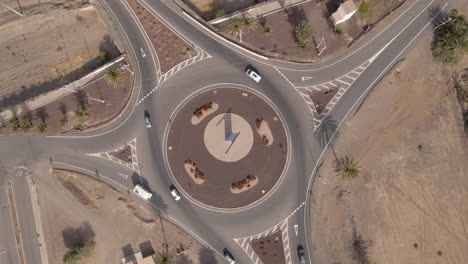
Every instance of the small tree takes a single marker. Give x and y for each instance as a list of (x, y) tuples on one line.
[(286, 11), (236, 28), (451, 39), (41, 128), (165, 256), (113, 76), (303, 32), (347, 169)]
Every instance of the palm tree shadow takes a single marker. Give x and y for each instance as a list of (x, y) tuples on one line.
[(327, 133), (207, 256), (183, 259)]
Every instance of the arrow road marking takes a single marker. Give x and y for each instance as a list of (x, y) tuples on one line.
[(296, 228), (125, 176), (143, 54), (305, 78)]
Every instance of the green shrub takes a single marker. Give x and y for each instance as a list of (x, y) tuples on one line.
[(338, 31), (220, 13), (451, 39), (75, 254), (363, 8)]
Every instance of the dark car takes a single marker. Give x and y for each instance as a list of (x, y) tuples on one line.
[(301, 253), (228, 256), (147, 119)]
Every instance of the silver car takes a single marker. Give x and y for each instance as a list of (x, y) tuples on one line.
[(253, 75)]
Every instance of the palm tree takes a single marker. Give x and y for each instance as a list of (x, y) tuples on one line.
[(249, 23), (303, 32), (303, 46), (165, 256), (347, 169), (235, 28), (113, 77), (41, 128), (64, 120), (286, 11), (102, 55), (81, 114)]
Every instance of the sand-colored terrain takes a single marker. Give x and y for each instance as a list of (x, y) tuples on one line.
[(117, 222), (49, 47), (410, 206)]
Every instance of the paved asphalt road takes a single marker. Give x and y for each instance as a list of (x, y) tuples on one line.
[(214, 228)]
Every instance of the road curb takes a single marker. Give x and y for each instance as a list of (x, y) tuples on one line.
[(38, 221)]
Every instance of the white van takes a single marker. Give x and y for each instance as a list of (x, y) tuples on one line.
[(142, 192)]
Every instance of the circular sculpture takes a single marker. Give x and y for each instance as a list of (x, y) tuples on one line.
[(228, 137), (219, 154)]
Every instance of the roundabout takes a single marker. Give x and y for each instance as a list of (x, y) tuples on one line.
[(226, 148)]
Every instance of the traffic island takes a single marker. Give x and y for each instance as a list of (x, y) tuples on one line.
[(225, 148), (270, 249)]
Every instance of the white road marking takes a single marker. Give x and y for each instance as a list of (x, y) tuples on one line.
[(296, 228), (125, 176), (305, 78), (143, 54)]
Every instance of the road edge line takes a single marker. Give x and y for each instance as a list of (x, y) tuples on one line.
[(14, 215), (38, 221)]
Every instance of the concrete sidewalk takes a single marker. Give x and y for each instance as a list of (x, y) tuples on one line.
[(261, 9), (67, 89)]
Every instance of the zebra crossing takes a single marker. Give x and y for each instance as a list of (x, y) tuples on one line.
[(341, 83), (244, 242), (133, 165)]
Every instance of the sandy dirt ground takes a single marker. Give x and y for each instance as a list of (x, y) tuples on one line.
[(410, 204), (49, 47), (73, 205)]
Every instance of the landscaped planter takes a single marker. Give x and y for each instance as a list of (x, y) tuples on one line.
[(200, 113), (244, 184), (263, 130), (192, 170)]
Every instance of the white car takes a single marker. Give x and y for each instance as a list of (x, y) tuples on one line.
[(145, 194), (175, 194), (253, 75)]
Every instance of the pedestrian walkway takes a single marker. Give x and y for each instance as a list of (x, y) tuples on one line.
[(261, 9), (67, 89)]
